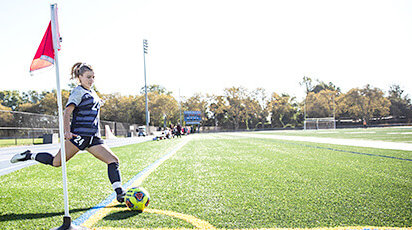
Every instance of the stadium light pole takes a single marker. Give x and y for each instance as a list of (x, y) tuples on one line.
[(145, 48)]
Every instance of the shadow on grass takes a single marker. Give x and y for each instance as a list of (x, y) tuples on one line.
[(28, 216), (125, 214)]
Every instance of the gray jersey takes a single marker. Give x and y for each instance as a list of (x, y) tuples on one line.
[(86, 114)]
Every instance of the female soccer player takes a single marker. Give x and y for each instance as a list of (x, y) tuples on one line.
[(84, 131)]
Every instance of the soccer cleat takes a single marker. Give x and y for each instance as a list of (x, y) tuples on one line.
[(20, 157), (120, 197)]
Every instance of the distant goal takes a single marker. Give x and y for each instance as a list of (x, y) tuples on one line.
[(320, 123)]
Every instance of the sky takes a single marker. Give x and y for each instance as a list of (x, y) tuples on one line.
[(207, 46)]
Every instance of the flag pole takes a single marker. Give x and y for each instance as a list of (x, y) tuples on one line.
[(59, 102), (66, 219)]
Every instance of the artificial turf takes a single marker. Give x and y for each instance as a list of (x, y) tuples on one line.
[(230, 182)]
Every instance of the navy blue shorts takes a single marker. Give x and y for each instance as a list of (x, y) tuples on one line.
[(83, 142)]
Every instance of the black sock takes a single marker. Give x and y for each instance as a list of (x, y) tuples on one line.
[(44, 158), (114, 177), (28, 156), (119, 191)]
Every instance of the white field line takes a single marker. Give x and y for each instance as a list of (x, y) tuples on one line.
[(359, 132), (400, 133), (335, 141)]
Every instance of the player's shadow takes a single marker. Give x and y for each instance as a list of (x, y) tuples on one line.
[(27, 216)]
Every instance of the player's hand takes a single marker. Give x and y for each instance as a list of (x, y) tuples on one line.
[(69, 135)]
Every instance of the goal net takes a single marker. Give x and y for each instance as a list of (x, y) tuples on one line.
[(320, 123)]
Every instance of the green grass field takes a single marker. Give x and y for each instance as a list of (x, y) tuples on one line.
[(395, 134), (229, 182)]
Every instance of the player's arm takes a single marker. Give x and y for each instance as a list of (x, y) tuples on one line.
[(66, 122)]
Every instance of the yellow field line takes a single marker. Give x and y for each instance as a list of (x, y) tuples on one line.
[(188, 218), (200, 224)]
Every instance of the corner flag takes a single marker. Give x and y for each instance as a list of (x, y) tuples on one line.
[(47, 55), (44, 56)]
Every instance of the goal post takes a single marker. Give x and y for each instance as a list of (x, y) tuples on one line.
[(320, 123)]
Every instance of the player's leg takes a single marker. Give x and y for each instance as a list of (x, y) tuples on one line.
[(103, 153), (45, 157), (71, 150)]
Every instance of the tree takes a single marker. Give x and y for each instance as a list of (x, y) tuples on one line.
[(155, 88), (129, 109), (162, 105), (365, 103), (283, 110), (235, 97), (262, 113), (6, 118), (31, 102), (218, 109), (48, 104), (29, 107), (32, 97), (139, 110), (307, 83), (251, 109), (45, 103), (11, 98), (132, 109), (320, 104), (111, 103), (400, 104), (323, 86)]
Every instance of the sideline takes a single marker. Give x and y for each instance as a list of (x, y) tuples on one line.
[(92, 216)]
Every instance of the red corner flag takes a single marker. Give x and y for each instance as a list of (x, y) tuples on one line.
[(45, 53)]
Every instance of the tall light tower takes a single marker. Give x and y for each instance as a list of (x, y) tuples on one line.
[(145, 48)]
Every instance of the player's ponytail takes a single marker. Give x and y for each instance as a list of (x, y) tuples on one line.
[(79, 68)]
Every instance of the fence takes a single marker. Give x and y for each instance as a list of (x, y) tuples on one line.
[(22, 125)]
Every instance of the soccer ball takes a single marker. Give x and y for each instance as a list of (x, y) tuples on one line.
[(137, 198)]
